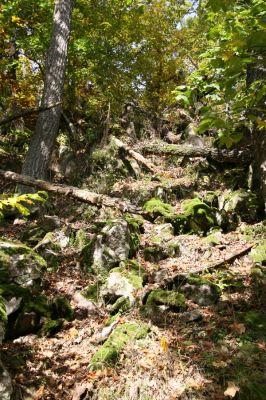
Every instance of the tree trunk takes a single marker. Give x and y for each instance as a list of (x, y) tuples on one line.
[(46, 130), (257, 72)]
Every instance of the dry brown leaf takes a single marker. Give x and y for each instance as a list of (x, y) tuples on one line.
[(238, 328), (39, 394), (231, 390)]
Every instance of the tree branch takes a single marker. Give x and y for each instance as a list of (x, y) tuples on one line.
[(28, 112)]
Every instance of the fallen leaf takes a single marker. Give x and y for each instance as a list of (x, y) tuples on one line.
[(39, 394), (231, 390), (238, 328)]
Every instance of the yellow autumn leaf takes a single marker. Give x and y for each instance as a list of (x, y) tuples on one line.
[(164, 344), (231, 390), (261, 124)]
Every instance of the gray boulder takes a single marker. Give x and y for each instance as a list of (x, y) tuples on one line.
[(202, 294), (114, 244), (19, 264)]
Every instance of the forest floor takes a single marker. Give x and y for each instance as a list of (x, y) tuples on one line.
[(220, 355)]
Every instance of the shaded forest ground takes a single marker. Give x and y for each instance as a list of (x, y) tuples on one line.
[(220, 354)]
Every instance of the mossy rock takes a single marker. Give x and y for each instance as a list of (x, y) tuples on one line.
[(116, 242), (87, 255), (201, 291), (81, 240), (258, 254), (50, 248), (155, 207), (92, 292), (51, 327), (246, 205), (10, 290), (108, 354), (172, 299), (132, 271), (118, 292), (40, 305), (200, 215), (19, 264), (212, 240), (61, 308), (121, 305)]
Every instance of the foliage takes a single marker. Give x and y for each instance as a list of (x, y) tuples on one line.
[(226, 101), (18, 202)]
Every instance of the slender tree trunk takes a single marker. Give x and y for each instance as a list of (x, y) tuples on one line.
[(257, 72), (46, 130)]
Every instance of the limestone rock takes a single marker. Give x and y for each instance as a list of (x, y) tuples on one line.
[(159, 242), (116, 242), (19, 264), (121, 284), (202, 294)]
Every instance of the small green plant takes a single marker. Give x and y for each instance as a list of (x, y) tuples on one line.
[(19, 202)]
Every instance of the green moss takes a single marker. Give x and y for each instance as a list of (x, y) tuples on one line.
[(169, 298), (121, 305), (40, 305), (87, 254), (108, 354), (258, 254), (61, 309), (22, 256), (134, 221), (10, 290), (212, 240), (200, 216), (91, 292), (132, 271), (50, 327), (3, 315), (81, 240), (156, 208)]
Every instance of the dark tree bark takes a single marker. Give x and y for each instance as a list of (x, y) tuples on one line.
[(257, 72), (46, 130)]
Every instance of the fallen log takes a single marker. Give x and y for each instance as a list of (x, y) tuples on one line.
[(137, 156), (82, 195), (241, 156)]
